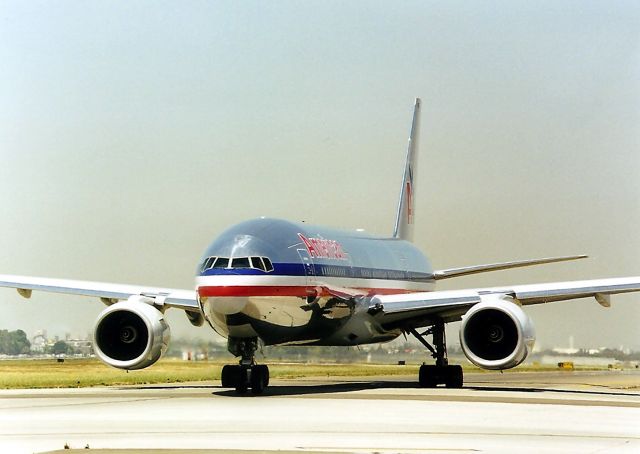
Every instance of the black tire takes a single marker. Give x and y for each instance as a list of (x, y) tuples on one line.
[(230, 376), (427, 376), (258, 379), (265, 373), (454, 377), (242, 383)]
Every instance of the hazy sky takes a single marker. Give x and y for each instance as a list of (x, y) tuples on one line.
[(132, 133)]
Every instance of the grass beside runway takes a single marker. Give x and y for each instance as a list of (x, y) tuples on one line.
[(25, 374), (91, 372)]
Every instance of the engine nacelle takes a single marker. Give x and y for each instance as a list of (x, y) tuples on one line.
[(131, 334), (496, 333)]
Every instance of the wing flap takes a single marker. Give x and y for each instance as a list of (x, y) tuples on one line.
[(107, 292)]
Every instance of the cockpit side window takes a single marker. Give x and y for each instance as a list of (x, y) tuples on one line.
[(267, 264), (256, 262), (208, 263)]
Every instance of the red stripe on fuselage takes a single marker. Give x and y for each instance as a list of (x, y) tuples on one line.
[(289, 290)]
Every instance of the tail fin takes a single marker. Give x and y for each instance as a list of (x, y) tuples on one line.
[(404, 218)]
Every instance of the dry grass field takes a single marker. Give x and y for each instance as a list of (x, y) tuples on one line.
[(46, 373), (91, 372)]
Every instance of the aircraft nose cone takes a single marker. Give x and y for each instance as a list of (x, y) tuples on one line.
[(227, 305)]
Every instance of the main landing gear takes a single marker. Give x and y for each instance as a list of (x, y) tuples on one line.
[(441, 373), (247, 374)]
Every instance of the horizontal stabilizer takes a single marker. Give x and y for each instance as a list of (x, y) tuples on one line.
[(466, 270)]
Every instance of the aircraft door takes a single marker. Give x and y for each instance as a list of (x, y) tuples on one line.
[(307, 263)]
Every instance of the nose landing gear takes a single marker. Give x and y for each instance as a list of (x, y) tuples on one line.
[(246, 375)]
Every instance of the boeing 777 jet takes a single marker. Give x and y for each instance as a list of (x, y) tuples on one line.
[(275, 282)]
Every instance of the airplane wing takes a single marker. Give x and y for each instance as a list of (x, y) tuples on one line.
[(450, 305), (107, 292)]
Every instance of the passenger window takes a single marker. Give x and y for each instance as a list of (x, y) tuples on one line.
[(267, 264), (240, 262), (222, 262), (256, 262)]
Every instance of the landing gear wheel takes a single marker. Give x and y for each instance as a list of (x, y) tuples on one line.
[(454, 377), (431, 376), (234, 376), (259, 379), (230, 376), (247, 374), (427, 376), (265, 372)]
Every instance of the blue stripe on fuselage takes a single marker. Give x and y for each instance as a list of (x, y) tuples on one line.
[(323, 270)]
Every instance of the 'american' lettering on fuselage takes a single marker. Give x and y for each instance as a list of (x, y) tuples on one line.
[(324, 249)]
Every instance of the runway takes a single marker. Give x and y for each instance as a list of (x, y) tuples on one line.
[(528, 412)]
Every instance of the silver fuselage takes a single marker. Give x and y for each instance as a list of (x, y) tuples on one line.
[(294, 283)]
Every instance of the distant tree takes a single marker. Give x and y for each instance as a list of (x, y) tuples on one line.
[(4, 341), (14, 342), (62, 348)]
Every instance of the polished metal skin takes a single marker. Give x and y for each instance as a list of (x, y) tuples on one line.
[(300, 301)]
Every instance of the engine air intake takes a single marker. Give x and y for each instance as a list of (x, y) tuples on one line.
[(491, 334), (131, 334), (496, 333), (122, 335)]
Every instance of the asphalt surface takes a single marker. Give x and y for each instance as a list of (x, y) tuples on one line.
[(526, 412)]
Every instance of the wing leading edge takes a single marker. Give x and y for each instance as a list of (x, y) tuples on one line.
[(107, 292), (452, 304)]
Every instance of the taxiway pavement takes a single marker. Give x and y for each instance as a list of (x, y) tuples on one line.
[(518, 411)]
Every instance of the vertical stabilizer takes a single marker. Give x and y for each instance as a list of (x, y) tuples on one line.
[(406, 204)]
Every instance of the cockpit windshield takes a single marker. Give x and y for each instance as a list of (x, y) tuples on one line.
[(256, 263)]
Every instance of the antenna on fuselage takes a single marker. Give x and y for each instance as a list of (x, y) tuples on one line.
[(404, 217)]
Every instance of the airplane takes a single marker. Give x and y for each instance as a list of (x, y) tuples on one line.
[(277, 282)]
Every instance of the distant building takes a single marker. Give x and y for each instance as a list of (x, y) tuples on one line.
[(81, 346), (39, 341), (41, 344)]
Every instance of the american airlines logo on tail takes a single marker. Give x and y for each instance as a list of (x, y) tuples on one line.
[(404, 216), (323, 249), (409, 189)]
